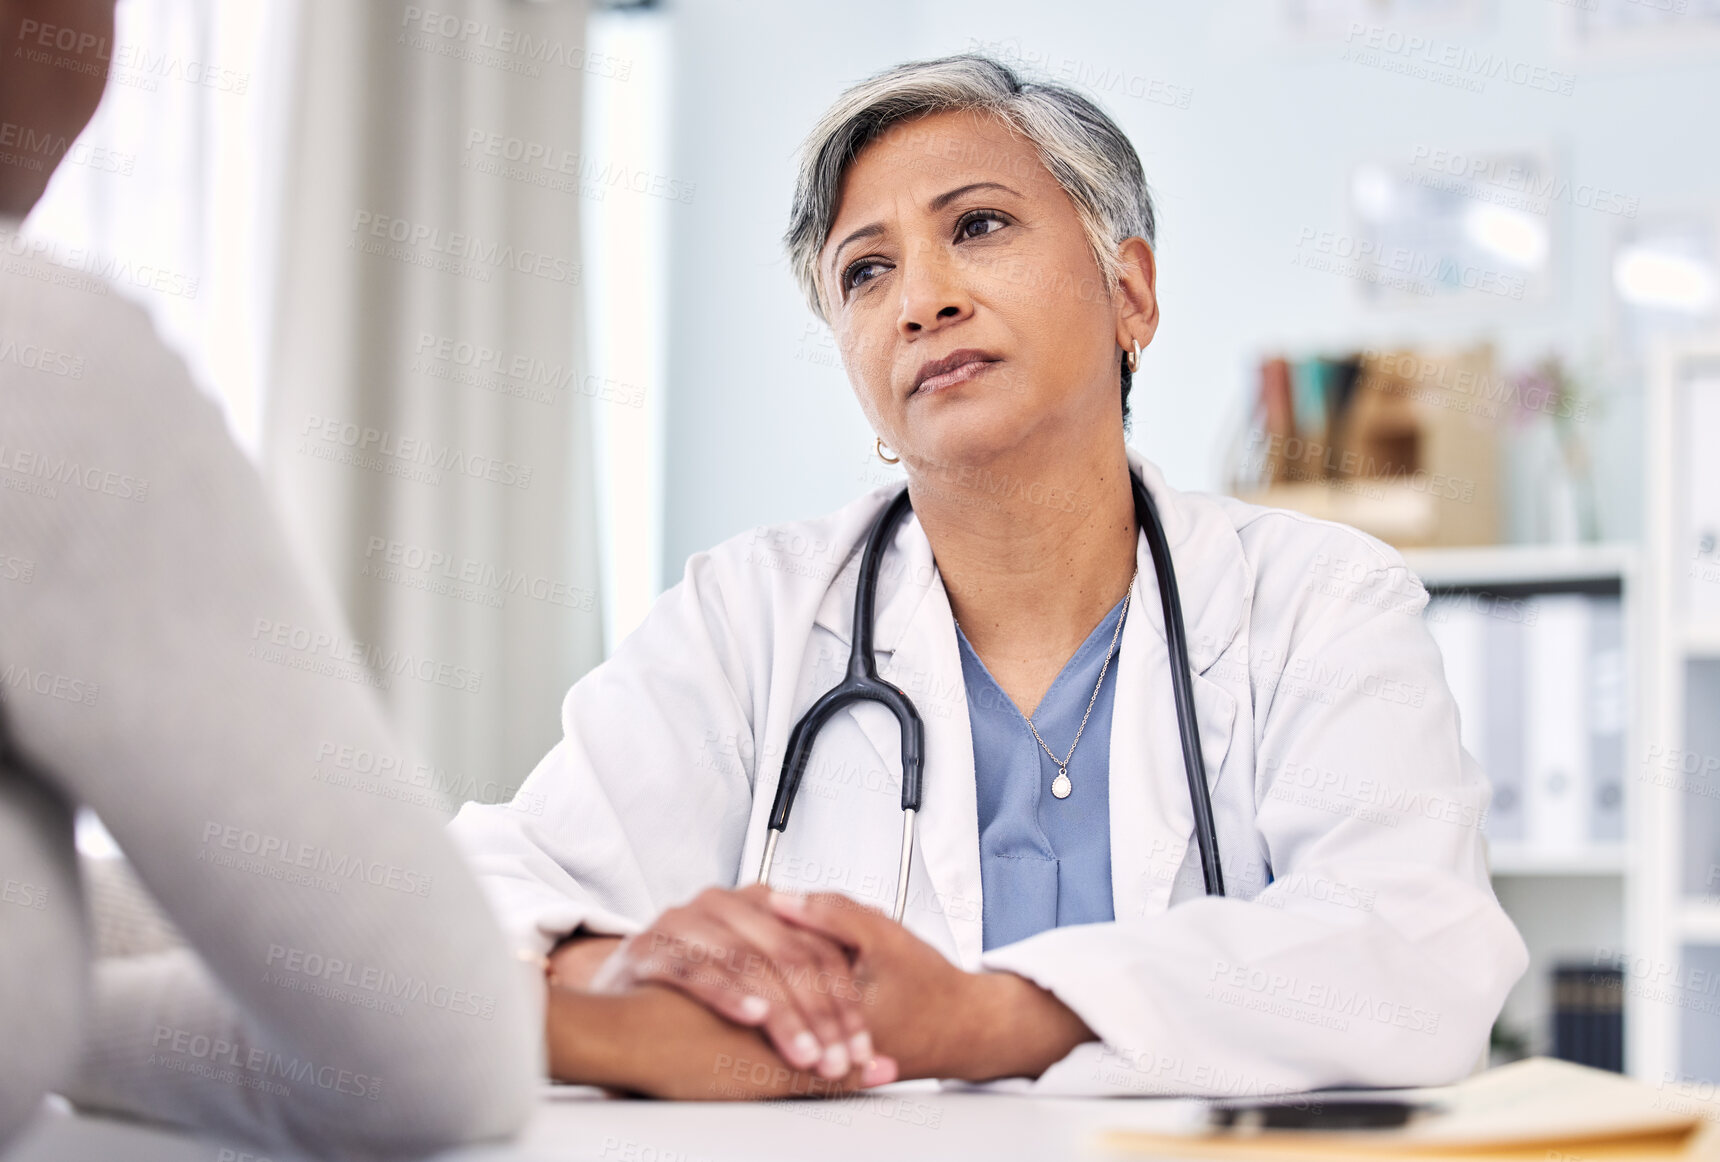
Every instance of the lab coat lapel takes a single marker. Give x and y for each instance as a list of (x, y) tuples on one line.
[(1152, 820)]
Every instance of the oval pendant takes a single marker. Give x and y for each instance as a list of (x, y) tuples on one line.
[(1060, 786)]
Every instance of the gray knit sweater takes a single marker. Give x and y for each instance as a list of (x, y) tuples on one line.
[(345, 990)]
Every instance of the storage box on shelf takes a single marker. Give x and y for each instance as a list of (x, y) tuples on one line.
[(1401, 444)]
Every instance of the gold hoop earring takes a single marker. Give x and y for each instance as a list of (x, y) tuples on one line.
[(1134, 358), (879, 446)]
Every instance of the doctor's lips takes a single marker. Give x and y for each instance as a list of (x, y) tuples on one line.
[(958, 366)]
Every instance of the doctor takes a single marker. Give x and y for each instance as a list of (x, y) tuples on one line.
[(981, 248)]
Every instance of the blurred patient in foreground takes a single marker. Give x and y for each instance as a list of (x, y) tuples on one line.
[(331, 981)]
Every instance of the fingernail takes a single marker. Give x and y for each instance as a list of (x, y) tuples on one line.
[(754, 1008), (878, 1071), (835, 1063), (787, 901), (805, 1049), (860, 1046)]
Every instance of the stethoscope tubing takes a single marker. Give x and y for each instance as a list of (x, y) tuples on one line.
[(862, 684)]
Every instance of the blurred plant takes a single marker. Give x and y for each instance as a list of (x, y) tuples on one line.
[(1548, 396)]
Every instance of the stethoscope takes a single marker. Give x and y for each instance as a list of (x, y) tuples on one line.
[(862, 684)]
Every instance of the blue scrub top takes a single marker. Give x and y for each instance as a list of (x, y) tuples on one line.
[(1044, 862)]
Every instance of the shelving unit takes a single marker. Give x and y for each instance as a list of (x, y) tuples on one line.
[(1570, 904), (1610, 859), (1676, 1028)]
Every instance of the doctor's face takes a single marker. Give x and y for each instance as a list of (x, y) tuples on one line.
[(971, 314)]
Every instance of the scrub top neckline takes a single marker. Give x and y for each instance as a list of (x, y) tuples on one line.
[(1097, 636)]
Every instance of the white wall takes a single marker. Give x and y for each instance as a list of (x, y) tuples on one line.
[(760, 432)]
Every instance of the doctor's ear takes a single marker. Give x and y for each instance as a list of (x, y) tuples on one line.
[(1137, 298)]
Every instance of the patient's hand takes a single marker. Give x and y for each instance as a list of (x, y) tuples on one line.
[(656, 1041), (933, 1018), (730, 952)]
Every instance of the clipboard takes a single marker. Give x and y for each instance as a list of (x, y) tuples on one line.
[(1539, 1109)]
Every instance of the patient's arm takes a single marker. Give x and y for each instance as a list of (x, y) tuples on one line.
[(346, 990)]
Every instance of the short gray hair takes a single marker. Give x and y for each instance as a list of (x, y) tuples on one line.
[(1082, 148)]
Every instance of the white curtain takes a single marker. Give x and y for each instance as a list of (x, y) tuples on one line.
[(428, 417)]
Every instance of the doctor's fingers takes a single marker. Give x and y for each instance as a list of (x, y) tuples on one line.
[(811, 967), (693, 951)]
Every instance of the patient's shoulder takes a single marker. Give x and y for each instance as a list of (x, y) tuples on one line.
[(63, 328)]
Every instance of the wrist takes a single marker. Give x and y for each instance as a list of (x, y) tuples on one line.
[(575, 961), (586, 1038), (1012, 1028)]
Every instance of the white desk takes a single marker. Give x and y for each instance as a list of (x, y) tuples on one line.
[(577, 1126)]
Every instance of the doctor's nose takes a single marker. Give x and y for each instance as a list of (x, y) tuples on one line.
[(932, 296)]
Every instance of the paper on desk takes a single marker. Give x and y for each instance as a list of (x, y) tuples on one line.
[(1540, 1108)]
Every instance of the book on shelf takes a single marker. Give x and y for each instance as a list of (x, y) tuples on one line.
[(1588, 1016)]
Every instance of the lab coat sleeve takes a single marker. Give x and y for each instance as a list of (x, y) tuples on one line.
[(645, 799), (1378, 955)]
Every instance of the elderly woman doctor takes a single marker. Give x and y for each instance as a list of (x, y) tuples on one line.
[(981, 248)]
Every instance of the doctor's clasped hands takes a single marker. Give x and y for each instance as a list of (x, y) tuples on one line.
[(838, 990)]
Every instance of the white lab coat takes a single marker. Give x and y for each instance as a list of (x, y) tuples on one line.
[(1379, 954)]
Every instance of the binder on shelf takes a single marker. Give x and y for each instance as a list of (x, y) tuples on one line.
[(1699, 498), (1556, 783), (1502, 748), (1460, 631), (1607, 709)]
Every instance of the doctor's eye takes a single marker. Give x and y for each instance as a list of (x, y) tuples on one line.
[(861, 271), (979, 223)]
